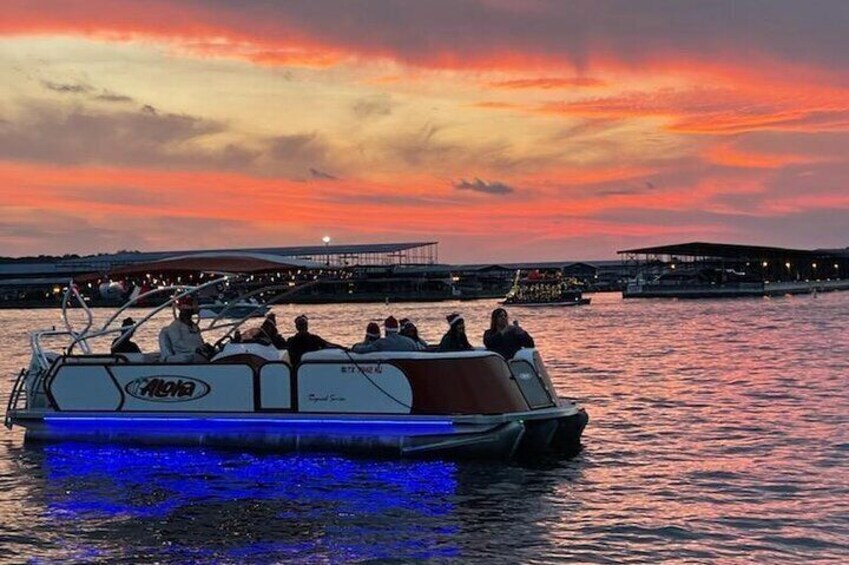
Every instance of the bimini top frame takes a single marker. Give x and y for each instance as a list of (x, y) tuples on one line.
[(222, 268)]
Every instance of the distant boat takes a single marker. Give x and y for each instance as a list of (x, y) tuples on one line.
[(235, 310), (535, 291)]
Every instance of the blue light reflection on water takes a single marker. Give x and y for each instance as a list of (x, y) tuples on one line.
[(259, 504)]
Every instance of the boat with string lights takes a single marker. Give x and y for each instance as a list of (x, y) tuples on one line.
[(249, 395), (536, 290)]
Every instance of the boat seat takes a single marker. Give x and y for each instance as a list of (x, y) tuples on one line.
[(141, 357), (253, 361)]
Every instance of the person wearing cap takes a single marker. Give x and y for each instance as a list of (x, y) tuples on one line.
[(372, 334), (503, 338), (455, 338), (124, 343), (303, 341), (391, 340), (409, 330), (180, 341)]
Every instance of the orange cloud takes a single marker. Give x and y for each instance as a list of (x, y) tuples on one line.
[(188, 29), (324, 34), (489, 105), (548, 83), (112, 196), (728, 155), (721, 110)]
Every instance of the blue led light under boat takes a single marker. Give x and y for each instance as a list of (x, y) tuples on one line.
[(333, 426)]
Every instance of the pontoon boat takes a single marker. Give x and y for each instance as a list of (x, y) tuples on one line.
[(467, 404)]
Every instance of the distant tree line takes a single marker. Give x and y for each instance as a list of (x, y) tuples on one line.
[(56, 258)]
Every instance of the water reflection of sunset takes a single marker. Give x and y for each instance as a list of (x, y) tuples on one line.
[(718, 430)]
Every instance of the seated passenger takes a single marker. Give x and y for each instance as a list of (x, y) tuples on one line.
[(124, 343), (503, 338), (391, 341), (372, 334), (409, 329), (303, 341), (180, 341), (265, 334), (455, 338)]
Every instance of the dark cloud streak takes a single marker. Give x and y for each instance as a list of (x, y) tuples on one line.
[(479, 185), (321, 175), (632, 31), (44, 132)]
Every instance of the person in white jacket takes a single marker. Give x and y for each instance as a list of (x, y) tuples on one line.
[(180, 341)]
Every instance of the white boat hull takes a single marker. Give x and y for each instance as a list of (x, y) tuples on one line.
[(374, 404)]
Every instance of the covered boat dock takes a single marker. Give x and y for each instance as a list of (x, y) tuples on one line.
[(700, 270)]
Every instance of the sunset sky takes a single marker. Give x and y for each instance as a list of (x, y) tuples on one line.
[(505, 130)]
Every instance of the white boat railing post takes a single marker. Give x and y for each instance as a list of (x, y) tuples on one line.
[(76, 337)]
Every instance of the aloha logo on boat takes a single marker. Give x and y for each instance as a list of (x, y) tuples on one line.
[(167, 388)]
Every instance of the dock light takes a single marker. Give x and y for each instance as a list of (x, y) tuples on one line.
[(814, 265), (326, 240), (787, 264), (765, 264), (672, 266)]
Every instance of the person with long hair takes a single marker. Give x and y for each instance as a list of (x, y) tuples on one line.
[(505, 338)]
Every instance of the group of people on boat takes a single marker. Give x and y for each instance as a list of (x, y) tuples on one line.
[(181, 340)]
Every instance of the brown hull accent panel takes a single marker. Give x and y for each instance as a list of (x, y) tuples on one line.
[(471, 385)]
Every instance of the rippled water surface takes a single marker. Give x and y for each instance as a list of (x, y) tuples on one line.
[(719, 431)]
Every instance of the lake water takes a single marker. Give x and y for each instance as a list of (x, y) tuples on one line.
[(719, 431)]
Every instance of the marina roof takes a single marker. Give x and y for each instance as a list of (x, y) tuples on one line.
[(724, 250), (299, 251), (212, 262), (480, 267)]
